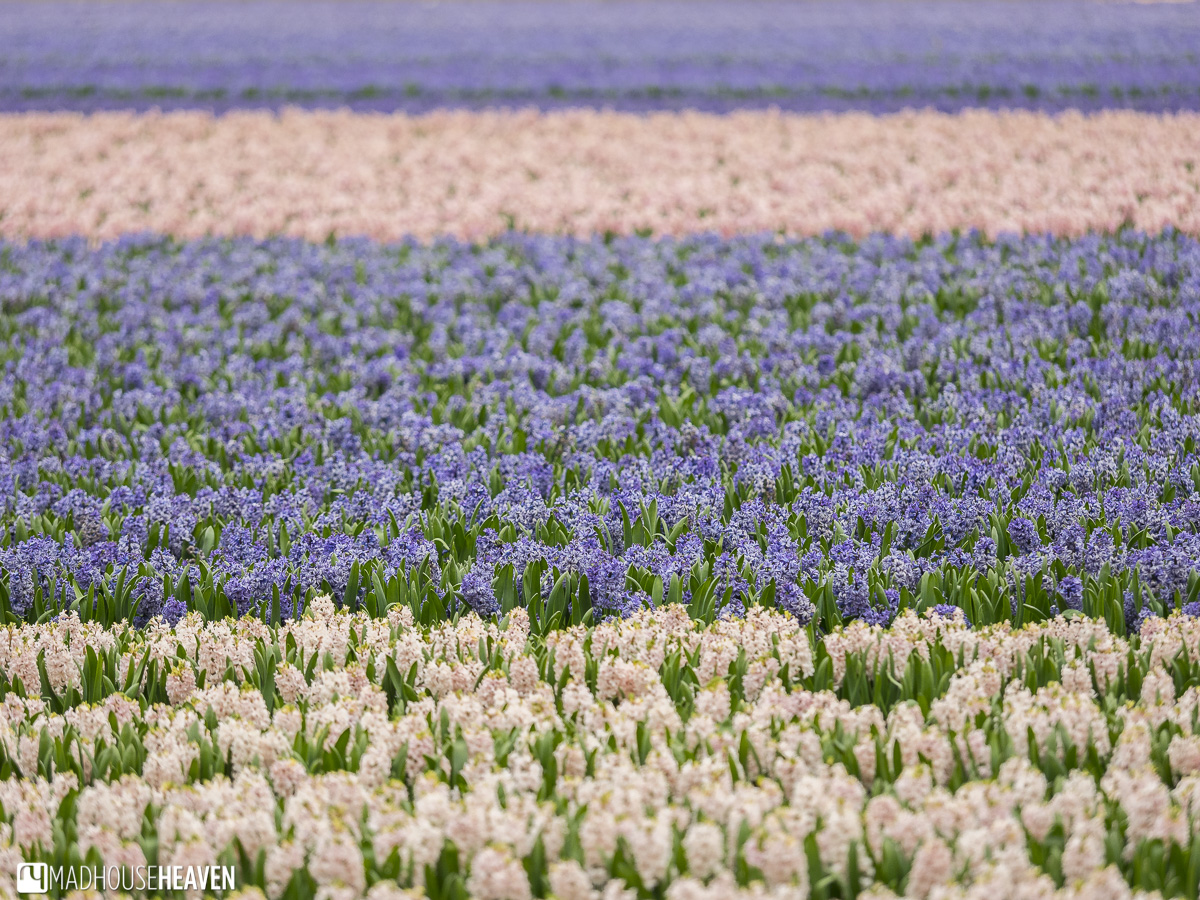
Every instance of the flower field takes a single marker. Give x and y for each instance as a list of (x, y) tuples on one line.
[(838, 430), (513, 451), (583, 172), (343, 753), (828, 55)]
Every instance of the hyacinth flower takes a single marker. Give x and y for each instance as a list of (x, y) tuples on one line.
[(586, 172), (342, 754), (550, 567), (638, 57), (586, 429)]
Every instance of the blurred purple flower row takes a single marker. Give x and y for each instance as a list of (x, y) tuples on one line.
[(636, 56), (840, 430)]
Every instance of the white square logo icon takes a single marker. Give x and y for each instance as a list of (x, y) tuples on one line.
[(33, 878)]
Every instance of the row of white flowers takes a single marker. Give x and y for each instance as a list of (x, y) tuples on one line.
[(341, 756)]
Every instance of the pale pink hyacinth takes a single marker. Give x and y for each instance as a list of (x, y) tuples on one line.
[(761, 765), (475, 174), (497, 875)]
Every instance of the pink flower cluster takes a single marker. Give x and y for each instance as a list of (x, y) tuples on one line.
[(353, 752), (472, 175)]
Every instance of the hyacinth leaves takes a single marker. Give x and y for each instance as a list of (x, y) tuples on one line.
[(984, 598)]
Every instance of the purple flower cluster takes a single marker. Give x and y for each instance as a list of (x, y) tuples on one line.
[(850, 54), (840, 430)]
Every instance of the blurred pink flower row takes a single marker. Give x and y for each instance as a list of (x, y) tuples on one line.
[(475, 174)]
